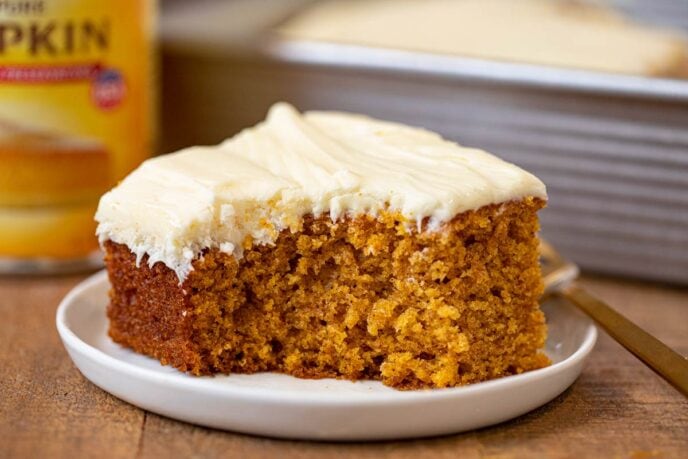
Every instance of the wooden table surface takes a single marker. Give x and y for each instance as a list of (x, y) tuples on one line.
[(617, 408)]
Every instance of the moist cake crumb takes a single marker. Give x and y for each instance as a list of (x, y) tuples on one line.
[(364, 297), (329, 244)]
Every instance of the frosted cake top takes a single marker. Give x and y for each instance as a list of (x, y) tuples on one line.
[(266, 178)]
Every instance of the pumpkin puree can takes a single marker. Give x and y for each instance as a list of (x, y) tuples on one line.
[(76, 115)]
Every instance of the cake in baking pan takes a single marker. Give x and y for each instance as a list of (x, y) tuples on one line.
[(562, 33), (328, 244)]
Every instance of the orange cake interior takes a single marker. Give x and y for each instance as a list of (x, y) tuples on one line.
[(372, 295)]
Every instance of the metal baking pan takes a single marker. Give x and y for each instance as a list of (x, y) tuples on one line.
[(612, 149)]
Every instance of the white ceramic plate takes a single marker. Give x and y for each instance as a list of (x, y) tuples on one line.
[(283, 406)]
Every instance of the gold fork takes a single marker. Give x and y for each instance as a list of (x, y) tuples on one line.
[(559, 277)]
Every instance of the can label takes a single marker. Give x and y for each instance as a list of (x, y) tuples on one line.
[(76, 106)]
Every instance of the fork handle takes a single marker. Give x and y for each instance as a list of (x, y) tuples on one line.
[(652, 352)]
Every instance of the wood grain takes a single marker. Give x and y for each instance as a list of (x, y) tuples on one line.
[(617, 408)]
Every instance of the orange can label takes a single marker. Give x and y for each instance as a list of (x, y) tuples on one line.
[(76, 115)]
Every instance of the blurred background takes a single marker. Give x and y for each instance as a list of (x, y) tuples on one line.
[(588, 96), (591, 96)]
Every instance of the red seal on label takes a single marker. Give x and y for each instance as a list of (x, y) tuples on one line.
[(108, 89)]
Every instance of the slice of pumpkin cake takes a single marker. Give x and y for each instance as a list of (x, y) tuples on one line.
[(328, 244)]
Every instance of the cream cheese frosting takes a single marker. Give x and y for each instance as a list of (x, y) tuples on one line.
[(560, 33), (266, 178)]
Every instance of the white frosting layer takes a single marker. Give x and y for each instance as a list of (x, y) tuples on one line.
[(266, 178), (560, 33)]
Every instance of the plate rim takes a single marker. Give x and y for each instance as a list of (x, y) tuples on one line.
[(270, 395)]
